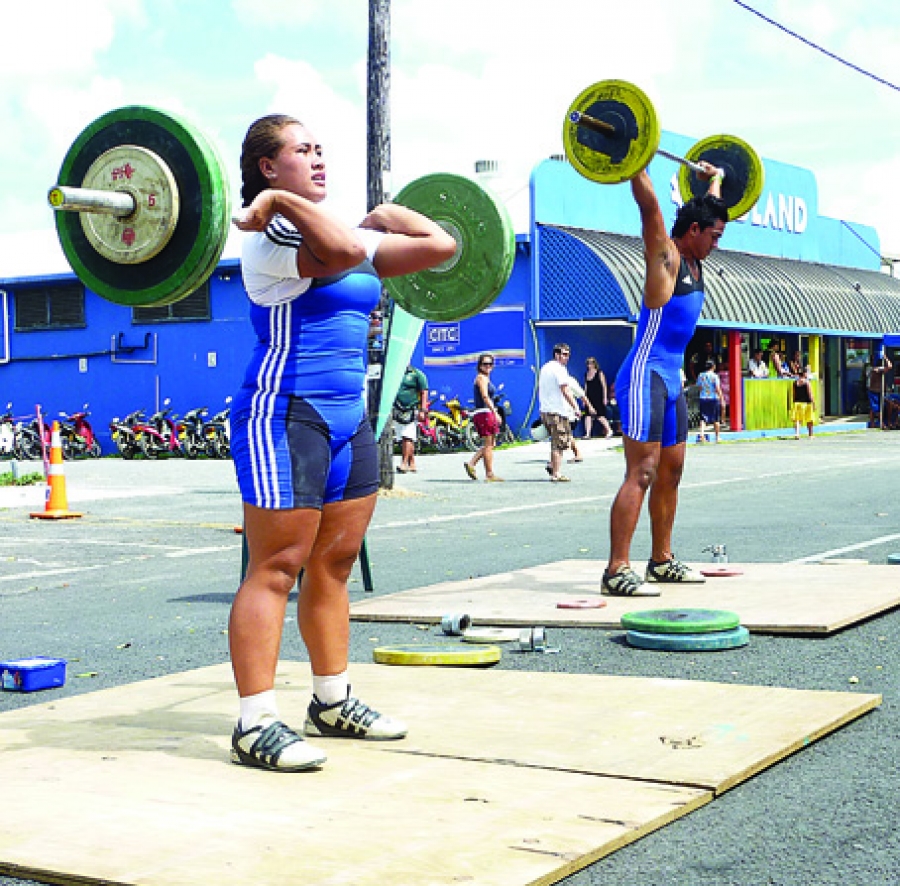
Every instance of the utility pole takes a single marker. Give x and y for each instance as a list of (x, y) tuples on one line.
[(378, 140)]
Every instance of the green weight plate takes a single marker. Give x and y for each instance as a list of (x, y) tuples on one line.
[(680, 621), (486, 249), (744, 173), (612, 158), (437, 654), (199, 237), (708, 642)]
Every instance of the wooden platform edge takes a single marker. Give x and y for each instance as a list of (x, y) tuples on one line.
[(867, 704), (54, 878), (632, 836)]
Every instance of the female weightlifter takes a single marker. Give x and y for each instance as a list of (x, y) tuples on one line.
[(303, 448)]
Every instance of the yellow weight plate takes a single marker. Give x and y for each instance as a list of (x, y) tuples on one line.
[(437, 654), (744, 173), (610, 158)]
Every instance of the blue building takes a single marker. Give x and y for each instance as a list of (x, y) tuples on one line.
[(782, 273)]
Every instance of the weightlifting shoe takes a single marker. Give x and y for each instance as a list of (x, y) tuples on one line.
[(273, 745), (672, 572), (625, 582), (351, 719)]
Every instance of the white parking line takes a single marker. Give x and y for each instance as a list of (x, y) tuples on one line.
[(812, 558)]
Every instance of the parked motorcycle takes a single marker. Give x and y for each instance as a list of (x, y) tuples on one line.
[(76, 435), (505, 434), (8, 442), (190, 432), (217, 433), (123, 434), (452, 422), (157, 435)]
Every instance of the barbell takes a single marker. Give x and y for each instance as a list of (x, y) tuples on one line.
[(142, 212), (611, 132)]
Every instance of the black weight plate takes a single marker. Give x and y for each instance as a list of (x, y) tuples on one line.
[(680, 621), (199, 237), (486, 249), (744, 173)]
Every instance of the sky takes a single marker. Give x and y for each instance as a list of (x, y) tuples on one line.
[(470, 80)]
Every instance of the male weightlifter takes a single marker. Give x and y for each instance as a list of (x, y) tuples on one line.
[(649, 388)]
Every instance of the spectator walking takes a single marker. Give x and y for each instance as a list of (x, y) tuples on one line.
[(556, 406), (597, 392), (712, 401), (486, 419)]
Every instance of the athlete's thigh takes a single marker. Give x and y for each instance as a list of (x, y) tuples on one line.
[(354, 465)]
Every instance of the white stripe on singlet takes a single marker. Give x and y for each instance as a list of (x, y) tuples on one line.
[(638, 371), (263, 460)]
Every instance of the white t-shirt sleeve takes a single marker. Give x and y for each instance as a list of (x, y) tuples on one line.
[(269, 262)]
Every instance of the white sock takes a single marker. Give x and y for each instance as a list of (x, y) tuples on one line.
[(255, 707), (331, 690)]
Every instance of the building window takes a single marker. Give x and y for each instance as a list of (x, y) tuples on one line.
[(192, 307), (59, 306)]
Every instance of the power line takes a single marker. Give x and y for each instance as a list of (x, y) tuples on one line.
[(816, 46)]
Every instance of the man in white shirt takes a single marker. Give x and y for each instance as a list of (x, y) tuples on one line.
[(556, 405), (758, 367)]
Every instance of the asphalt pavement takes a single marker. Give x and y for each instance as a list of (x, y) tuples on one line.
[(141, 584)]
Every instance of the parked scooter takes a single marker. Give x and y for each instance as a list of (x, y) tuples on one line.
[(452, 422), (505, 434), (190, 432), (157, 435), (8, 442), (123, 434), (217, 433), (77, 436)]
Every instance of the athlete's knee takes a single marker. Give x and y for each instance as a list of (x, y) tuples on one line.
[(643, 474)]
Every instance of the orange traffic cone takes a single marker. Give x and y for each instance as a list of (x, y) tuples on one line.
[(57, 503)]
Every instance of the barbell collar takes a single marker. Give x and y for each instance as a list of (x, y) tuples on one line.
[(590, 122), (66, 199)]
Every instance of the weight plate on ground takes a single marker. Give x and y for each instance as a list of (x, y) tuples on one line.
[(490, 635), (588, 603), (614, 158), (721, 571), (197, 241), (437, 654), (744, 173), (468, 282), (144, 233), (680, 621), (708, 642)]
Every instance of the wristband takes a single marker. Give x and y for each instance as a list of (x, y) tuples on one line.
[(718, 177)]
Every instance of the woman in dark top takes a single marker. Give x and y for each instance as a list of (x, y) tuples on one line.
[(597, 395), (803, 411)]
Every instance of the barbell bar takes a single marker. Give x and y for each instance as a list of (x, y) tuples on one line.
[(118, 203), (581, 119), (611, 132), (142, 213)]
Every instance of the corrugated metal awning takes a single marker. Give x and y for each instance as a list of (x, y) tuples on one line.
[(742, 290)]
